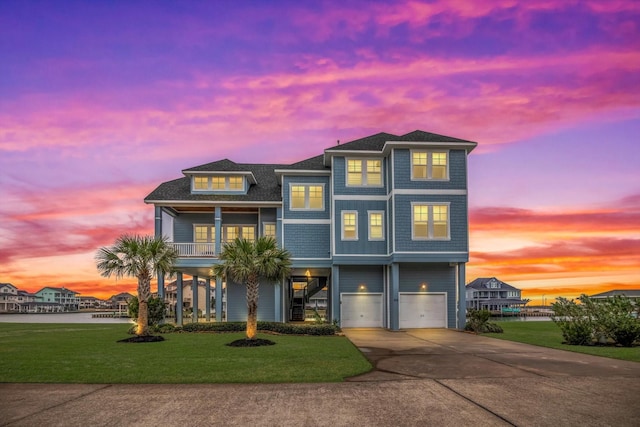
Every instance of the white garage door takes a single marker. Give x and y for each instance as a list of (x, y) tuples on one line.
[(423, 310), (361, 310)]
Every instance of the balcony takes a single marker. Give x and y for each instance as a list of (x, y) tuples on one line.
[(199, 250)]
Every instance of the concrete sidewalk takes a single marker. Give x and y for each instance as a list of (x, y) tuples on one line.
[(423, 377)]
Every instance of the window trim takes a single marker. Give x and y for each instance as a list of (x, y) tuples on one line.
[(342, 224), (430, 234), (307, 200), (363, 173), (225, 227), (275, 228), (227, 184), (211, 232), (381, 213), (429, 165)]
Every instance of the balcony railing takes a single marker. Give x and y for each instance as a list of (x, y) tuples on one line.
[(195, 249)]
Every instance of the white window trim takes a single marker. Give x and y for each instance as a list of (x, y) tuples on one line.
[(275, 228), (376, 239), (211, 238), (342, 214), (430, 236), (364, 172), (223, 238), (429, 165), (307, 201)]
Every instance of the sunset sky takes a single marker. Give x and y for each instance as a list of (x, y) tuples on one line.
[(101, 101)]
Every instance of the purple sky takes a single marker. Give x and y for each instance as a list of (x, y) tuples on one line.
[(101, 101)]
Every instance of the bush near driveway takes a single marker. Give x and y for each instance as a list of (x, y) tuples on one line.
[(593, 321)]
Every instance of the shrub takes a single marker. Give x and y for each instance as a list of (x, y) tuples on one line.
[(619, 321), (574, 321), (156, 310), (277, 327), (478, 320)]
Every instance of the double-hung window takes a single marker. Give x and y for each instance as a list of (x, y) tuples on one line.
[(430, 221), (232, 232), (376, 225), (307, 196), (362, 172), (349, 225), (204, 236), (269, 229), (429, 165)]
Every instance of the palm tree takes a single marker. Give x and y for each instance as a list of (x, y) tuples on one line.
[(246, 261), (141, 257)]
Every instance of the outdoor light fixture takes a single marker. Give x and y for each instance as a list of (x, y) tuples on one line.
[(307, 273), (362, 287), (423, 286)]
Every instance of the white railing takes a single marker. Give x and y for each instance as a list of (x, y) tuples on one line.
[(195, 249)]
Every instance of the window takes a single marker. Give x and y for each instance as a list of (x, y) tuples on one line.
[(429, 165), (269, 229), (206, 235), (376, 228), (200, 182), (430, 221), (364, 172), (309, 197), (218, 183), (232, 232), (349, 225)]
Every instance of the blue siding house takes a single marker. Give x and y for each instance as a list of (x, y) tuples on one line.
[(377, 226)]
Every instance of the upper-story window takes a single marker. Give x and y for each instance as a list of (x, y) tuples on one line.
[(218, 183), (232, 232), (307, 196), (269, 229), (429, 165), (376, 225), (430, 221), (364, 172), (349, 225)]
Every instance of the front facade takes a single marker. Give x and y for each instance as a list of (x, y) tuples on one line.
[(489, 293), (67, 299), (377, 229)]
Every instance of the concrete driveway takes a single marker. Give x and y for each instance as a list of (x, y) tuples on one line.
[(422, 378)]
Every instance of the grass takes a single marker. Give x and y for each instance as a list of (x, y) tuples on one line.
[(90, 353), (547, 334)]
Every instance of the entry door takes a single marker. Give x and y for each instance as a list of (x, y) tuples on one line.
[(361, 310), (423, 310)]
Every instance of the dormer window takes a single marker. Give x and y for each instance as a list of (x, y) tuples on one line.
[(218, 183)]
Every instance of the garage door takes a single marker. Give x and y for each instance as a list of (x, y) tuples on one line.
[(361, 310), (423, 310)]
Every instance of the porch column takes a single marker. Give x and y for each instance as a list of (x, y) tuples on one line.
[(277, 294), (179, 299), (218, 299), (158, 221), (160, 285), (462, 306), (207, 295), (194, 299), (279, 238), (217, 219), (335, 294), (394, 291)]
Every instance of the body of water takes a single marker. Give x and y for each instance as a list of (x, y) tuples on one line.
[(59, 318), (521, 319)]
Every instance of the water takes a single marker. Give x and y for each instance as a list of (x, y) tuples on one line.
[(59, 318), (521, 319)]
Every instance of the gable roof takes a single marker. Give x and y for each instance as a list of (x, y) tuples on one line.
[(631, 293), (481, 283), (61, 290), (377, 142)]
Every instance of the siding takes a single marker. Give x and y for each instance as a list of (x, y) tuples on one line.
[(303, 214), (437, 277), (307, 240), (363, 245), (340, 176), (183, 225), (237, 302), (351, 277)]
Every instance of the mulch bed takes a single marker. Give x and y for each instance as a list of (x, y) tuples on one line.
[(250, 343), (143, 338)]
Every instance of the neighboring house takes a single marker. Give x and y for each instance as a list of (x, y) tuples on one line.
[(630, 293), (90, 302), (380, 224), (66, 298), (9, 298), (494, 295), (120, 301)]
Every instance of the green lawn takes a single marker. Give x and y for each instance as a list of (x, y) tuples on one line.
[(547, 334), (90, 353)]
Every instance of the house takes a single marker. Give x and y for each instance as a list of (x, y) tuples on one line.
[(494, 295), (66, 298), (379, 223), (9, 298), (633, 294), (120, 301), (91, 302)]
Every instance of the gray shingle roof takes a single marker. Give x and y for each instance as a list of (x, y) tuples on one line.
[(376, 142), (631, 293), (481, 283), (313, 163)]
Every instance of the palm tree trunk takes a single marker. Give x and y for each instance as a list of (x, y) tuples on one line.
[(252, 308), (143, 318)]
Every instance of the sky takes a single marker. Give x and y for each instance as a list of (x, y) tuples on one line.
[(101, 101)]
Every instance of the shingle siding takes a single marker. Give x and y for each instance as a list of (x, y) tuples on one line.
[(340, 178), (457, 172), (363, 245), (308, 240), (301, 213)]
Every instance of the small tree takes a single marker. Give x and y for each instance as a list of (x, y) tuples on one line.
[(574, 321), (141, 257), (246, 261), (156, 310)]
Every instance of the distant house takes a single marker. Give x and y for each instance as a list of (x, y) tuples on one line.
[(9, 298), (120, 301), (171, 295), (89, 302), (66, 298), (630, 293), (494, 295)]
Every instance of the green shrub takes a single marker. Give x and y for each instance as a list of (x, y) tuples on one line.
[(156, 310), (477, 320), (277, 327), (574, 321), (620, 323)]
